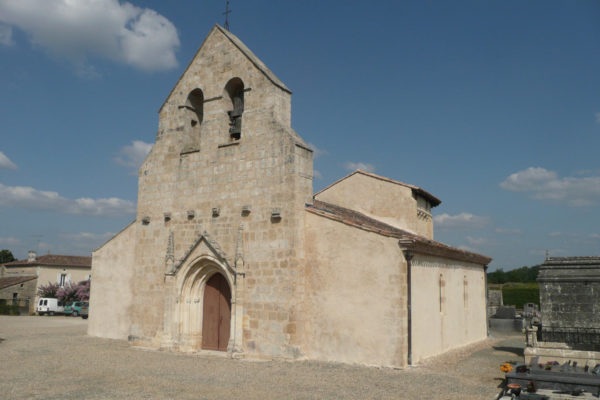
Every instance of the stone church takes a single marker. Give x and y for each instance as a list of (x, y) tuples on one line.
[(232, 251)]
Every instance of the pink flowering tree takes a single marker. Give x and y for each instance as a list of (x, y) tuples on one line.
[(50, 290), (83, 290), (67, 293), (74, 292)]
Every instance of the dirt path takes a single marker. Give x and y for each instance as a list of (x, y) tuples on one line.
[(52, 358)]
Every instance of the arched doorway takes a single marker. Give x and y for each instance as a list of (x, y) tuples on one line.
[(216, 313)]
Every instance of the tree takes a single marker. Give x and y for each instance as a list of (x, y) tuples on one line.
[(83, 290), (50, 290), (6, 256), (74, 292), (498, 276), (66, 293), (523, 274)]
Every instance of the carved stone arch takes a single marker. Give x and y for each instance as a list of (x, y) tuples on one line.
[(191, 283)]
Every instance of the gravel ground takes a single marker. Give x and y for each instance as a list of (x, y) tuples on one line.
[(52, 358)]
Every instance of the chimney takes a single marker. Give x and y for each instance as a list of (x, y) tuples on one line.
[(31, 256)]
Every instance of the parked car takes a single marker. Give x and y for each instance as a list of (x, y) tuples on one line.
[(84, 311), (74, 308), (49, 306)]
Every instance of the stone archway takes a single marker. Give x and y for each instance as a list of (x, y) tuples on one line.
[(205, 280)]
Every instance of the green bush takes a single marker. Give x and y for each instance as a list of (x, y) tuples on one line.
[(519, 294), (6, 309)]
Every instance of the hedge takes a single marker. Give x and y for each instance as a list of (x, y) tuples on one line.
[(6, 309), (517, 295)]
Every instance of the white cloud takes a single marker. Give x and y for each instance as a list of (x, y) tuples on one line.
[(317, 152), (5, 162), (508, 231), (317, 174), (594, 236), (588, 172), (6, 35), (467, 248), (564, 234), (87, 236), (32, 199), (77, 30), (460, 221), (133, 156), (543, 184), (352, 166), (9, 241), (598, 117), (551, 252), (44, 246), (477, 241)]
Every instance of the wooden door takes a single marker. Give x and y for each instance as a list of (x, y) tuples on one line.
[(216, 314)]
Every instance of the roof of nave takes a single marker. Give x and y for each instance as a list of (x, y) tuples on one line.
[(408, 240)]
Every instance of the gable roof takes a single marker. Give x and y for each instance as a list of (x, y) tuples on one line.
[(409, 240), (244, 50), (53, 260), (14, 280), (417, 190)]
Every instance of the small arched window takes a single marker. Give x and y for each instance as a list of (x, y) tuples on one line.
[(235, 90), (195, 107)]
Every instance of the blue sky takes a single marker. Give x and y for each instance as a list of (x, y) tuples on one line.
[(493, 107)]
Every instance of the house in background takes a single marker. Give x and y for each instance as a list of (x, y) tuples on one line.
[(19, 291), (49, 268)]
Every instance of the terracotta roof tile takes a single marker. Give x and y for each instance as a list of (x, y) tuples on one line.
[(407, 239), (54, 260), (14, 280)]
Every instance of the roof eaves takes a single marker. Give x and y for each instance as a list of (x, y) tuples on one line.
[(408, 240), (430, 247)]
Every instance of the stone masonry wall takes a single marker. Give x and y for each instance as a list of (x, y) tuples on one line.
[(356, 295), (385, 201), (192, 170), (570, 301)]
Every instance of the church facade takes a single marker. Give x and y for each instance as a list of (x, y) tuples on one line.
[(232, 251)]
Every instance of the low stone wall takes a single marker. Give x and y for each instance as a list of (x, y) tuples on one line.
[(560, 352)]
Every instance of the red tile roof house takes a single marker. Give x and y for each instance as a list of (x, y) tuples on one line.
[(50, 268)]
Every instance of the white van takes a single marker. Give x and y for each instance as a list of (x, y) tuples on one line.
[(49, 306)]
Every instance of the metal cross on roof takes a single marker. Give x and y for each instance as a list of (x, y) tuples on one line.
[(226, 14)]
